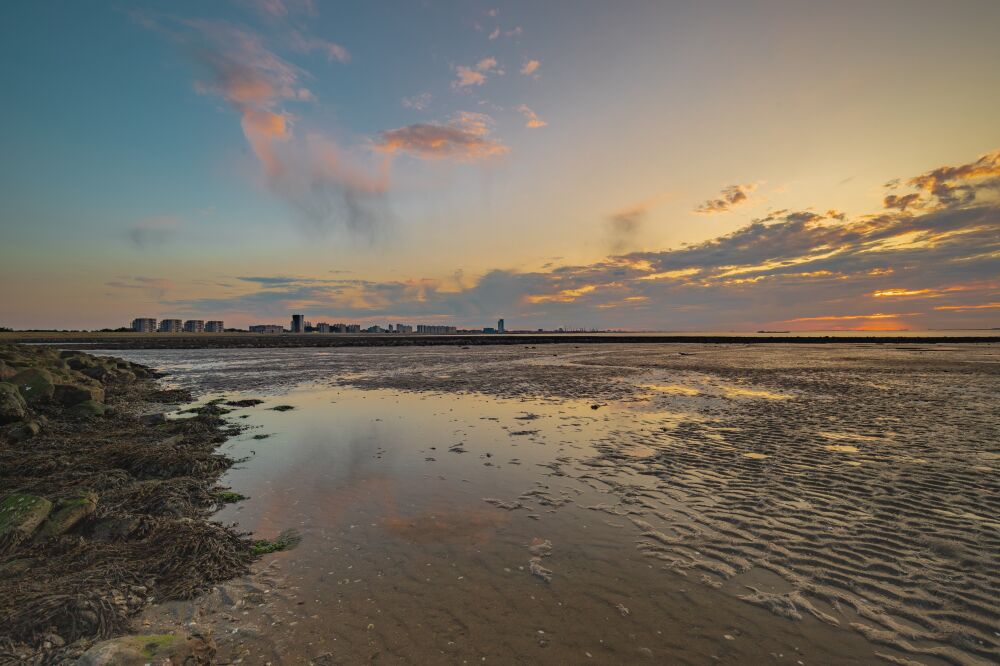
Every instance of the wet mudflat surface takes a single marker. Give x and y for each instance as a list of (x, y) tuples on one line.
[(721, 504)]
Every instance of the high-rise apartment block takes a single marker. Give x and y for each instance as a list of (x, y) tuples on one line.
[(194, 326), (214, 327), (171, 326), (143, 325), (298, 323)]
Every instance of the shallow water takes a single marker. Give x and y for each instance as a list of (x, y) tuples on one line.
[(437, 490)]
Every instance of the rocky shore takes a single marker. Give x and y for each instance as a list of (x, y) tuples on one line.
[(104, 506)]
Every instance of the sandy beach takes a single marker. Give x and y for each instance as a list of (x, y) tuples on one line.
[(607, 504)]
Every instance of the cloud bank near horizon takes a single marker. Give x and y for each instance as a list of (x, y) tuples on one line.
[(933, 263)]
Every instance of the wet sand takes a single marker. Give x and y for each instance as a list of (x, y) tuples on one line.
[(611, 504)]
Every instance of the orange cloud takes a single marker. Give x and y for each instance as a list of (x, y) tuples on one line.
[(901, 292), (731, 196), (466, 139), (960, 308), (877, 315), (531, 119), (564, 296), (475, 75), (530, 67)]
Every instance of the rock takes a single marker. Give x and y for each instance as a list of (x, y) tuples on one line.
[(6, 372), (24, 431), (72, 394), (87, 409), (150, 649), (80, 363), (153, 419), (20, 515), (12, 405), (70, 353), (34, 384), (68, 513), (98, 372)]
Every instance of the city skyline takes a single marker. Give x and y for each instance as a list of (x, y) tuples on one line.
[(561, 165)]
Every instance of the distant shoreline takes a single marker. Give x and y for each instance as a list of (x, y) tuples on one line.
[(287, 340)]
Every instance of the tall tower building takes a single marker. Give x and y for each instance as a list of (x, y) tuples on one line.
[(500, 328), (298, 323)]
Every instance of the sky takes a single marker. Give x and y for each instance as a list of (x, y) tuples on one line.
[(718, 165)]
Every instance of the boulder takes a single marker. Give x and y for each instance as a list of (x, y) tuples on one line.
[(12, 405), (20, 515), (98, 372), (35, 385), (72, 394), (24, 431), (68, 513), (150, 649), (79, 362), (87, 409)]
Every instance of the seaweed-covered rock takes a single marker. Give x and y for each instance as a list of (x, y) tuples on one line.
[(35, 385), (98, 372), (24, 431), (150, 649), (87, 409), (72, 394), (20, 515), (12, 405), (68, 513)]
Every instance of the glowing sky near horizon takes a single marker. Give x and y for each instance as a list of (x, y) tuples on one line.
[(640, 165)]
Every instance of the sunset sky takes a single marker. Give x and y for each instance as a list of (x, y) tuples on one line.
[(631, 165)]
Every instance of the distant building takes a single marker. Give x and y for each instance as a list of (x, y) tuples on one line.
[(353, 328), (171, 326), (489, 329), (500, 326), (339, 328), (322, 327), (298, 324), (214, 327), (267, 328), (143, 325), (194, 326), (430, 329), (404, 328)]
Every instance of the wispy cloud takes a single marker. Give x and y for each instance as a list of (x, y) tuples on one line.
[(731, 196), (325, 188), (530, 68), (152, 287), (152, 232), (304, 43), (531, 119), (465, 138), (477, 74), (624, 227), (418, 102)]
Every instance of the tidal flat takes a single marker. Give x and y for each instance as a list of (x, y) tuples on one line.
[(607, 504)]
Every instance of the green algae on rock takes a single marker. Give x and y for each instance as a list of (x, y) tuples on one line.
[(12, 405), (68, 513), (20, 516), (35, 385)]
